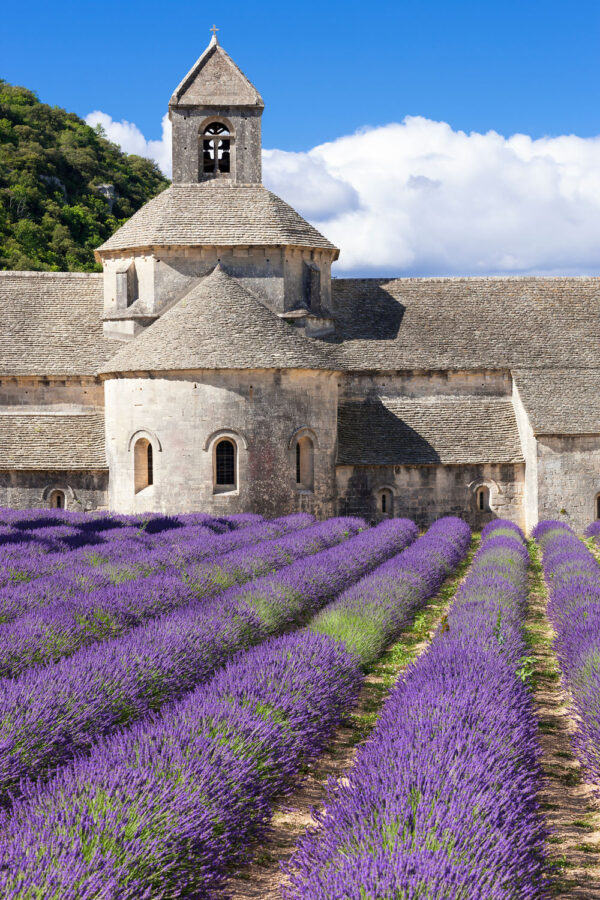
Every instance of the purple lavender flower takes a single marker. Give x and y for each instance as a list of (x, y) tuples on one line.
[(441, 802), (50, 713), (165, 808), (573, 579), (89, 616)]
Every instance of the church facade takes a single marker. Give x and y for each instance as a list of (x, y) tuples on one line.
[(216, 365)]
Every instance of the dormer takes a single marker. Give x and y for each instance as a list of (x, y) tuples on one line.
[(216, 117)]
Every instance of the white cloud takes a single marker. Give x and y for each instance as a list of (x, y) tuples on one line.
[(417, 197), (306, 182), (129, 137)]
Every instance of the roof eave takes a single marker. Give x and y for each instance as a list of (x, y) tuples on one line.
[(105, 252)]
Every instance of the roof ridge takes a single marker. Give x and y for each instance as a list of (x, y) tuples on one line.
[(27, 273), (445, 279), (436, 398)]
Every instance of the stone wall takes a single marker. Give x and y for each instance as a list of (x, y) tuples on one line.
[(277, 275), (530, 452), (409, 383), (62, 393), (184, 416), (568, 478), (245, 130), (31, 489), (425, 493)]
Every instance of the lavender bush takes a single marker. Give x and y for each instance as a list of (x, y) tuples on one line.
[(127, 552), (64, 575), (84, 618), (167, 807), (593, 531), (368, 615), (441, 803), (50, 713), (573, 579)]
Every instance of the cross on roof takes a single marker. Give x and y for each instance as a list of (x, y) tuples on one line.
[(214, 30)]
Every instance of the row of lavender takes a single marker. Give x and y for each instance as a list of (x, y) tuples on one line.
[(165, 807), (128, 551), (442, 800), (54, 616), (39, 533), (50, 713), (573, 578)]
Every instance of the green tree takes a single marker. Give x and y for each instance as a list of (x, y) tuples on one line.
[(52, 213)]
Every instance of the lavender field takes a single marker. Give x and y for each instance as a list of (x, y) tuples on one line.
[(166, 682)]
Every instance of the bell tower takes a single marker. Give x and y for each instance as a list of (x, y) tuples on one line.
[(216, 117)]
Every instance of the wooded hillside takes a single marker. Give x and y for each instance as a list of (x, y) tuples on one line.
[(64, 188)]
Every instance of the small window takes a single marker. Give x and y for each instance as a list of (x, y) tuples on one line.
[(305, 463), (225, 466), (143, 463), (386, 502), (598, 506), (216, 149), (125, 285), (312, 286), (483, 498), (57, 500), (150, 464)]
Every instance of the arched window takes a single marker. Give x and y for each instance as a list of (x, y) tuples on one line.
[(597, 506), (225, 475), (57, 500), (305, 464), (216, 149), (483, 498), (143, 464), (386, 502)]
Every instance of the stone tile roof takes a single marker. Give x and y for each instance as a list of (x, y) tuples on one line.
[(52, 441), (215, 213), (219, 325), (215, 80), (561, 402), (431, 430), (468, 323), (51, 324)]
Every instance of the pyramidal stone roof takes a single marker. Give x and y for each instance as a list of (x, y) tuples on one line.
[(215, 80), (219, 325), (216, 213)]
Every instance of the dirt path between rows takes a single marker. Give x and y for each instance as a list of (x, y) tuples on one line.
[(569, 804), (262, 879)]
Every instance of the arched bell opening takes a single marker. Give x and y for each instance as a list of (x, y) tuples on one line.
[(214, 152)]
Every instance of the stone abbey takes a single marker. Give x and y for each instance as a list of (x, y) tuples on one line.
[(215, 365)]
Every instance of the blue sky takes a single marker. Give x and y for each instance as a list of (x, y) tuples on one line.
[(324, 68), (388, 125)]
